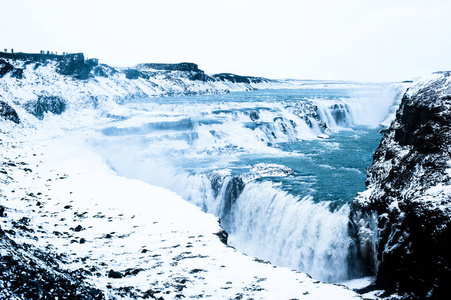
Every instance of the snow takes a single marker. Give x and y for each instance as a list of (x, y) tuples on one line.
[(359, 283), (270, 170), (78, 188), (60, 183)]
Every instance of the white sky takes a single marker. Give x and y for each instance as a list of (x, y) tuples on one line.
[(367, 40)]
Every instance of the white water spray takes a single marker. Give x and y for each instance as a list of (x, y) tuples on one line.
[(180, 145)]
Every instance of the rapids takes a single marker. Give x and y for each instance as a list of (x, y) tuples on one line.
[(278, 167)]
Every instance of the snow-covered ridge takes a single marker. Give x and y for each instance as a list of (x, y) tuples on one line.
[(80, 82), (403, 219)]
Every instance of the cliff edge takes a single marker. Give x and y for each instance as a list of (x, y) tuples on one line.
[(403, 220)]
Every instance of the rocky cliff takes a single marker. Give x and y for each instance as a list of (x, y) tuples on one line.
[(403, 219)]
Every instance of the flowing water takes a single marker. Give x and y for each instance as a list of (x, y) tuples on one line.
[(278, 167)]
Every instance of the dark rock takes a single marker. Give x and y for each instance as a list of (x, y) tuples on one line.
[(76, 66), (223, 236), (45, 104), (93, 62), (103, 70), (10, 232), (100, 72), (194, 271), (36, 275), (2, 211), (185, 67), (95, 294), (254, 115), (132, 272), (238, 78), (135, 74), (114, 274), (8, 113), (78, 228), (25, 221), (199, 76), (6, 67), (403, 232), (17, 73)]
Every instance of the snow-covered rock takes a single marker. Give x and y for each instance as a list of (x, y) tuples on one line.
[(403, 219), (26, 78)]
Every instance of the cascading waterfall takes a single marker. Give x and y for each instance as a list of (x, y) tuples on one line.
[(308, 235), (255, 160)]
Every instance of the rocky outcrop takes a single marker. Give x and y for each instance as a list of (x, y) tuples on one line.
[(8, 113), (45, 104), (403, 220), (68, 64), (75, 65), (181, 70), (135, 74), (184, 67), (6, 67), (238, 79)]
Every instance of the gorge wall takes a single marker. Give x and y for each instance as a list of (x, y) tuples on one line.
[(403, 219)]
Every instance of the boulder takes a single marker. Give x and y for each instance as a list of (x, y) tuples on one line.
[(8, 113)]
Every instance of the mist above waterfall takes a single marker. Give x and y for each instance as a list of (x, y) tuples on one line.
[(277, 167)]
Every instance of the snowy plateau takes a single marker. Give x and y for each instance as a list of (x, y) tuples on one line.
[(72, 228)]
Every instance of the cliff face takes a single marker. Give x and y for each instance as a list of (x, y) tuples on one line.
[(403, 219)]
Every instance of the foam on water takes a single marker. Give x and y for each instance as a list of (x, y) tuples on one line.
[(255, 161)]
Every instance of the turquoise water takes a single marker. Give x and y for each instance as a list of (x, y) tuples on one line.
[(329, 170), (278, 167)]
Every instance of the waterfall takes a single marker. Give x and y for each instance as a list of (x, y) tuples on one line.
[(222, 153)]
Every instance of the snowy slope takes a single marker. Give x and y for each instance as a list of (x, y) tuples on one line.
[(131, 227)]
